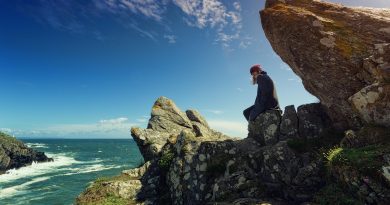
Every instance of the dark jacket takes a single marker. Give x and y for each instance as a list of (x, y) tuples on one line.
[(266, 96)]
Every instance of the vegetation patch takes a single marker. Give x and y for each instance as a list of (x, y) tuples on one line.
[(334, 194), (367, 160), (165, 160), (328, 139), (100, 194), (8, 139)]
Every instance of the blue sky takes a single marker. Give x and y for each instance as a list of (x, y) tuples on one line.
[(93, 69)]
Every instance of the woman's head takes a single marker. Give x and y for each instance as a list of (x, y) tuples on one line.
[(255, 71)]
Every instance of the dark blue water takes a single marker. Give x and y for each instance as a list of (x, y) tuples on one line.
[(77, 162)]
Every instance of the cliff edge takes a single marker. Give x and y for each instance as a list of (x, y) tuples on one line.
[(15, 154)]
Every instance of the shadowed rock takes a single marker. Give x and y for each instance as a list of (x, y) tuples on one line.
[(313, 120), (289, 124)]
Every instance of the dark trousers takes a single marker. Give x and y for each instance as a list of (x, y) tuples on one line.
[(247, 112)]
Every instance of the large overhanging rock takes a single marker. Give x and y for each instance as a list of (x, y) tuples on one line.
[(338, 52)]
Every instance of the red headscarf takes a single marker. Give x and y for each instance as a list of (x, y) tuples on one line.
[(255, 68)]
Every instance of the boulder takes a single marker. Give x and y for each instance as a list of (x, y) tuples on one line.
[(149, 141), (337, 51), (372, 103), (265, 128), (166, 117), (289, 124)]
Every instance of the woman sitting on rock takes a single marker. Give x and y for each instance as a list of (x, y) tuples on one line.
[(266, 94)]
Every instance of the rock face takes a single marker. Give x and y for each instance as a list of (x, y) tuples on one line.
[(312, 120), (185, 166), (15, 154), (341, 54)]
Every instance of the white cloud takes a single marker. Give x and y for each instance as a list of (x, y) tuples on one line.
[(148, 8), (284, 66), (115, 121), (237, 6), (216, 112), (117, 127), (213, 14), (6, 130), (295, 80), (232, 128), (170, 38), (245, 42), (142, 120), (240, 89), (223, 17)]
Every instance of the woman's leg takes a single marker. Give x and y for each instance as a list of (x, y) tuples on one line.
[(247, 112)]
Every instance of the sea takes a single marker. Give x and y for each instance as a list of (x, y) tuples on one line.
[(77, 163)]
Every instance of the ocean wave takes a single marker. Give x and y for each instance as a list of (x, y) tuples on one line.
[(36, 169), (90, 168), (96, 160), (37, 145), (19, 189)]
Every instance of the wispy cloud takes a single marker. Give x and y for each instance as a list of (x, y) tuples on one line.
[(147, 8), (6, 130), (116, 127), (284, 66), (216, 112), (245, 42), (143, 119), (239, 89), (82, 18), (232, 128), (216, 15), (170, 38), (295, 80)]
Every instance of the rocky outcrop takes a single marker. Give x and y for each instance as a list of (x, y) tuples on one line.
[(15, 154), (341, 54), (188, 167)]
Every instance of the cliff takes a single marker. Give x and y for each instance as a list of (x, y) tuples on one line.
[(15, 154), (292, 158)]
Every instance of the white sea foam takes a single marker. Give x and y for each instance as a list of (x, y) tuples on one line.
[(90, 168), (36, 169), (36, 145), (95, 161), (19, 189)]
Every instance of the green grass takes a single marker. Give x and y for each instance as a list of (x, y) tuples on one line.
[(111, 199), (367, 160), (99, 194), (334, 194)]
